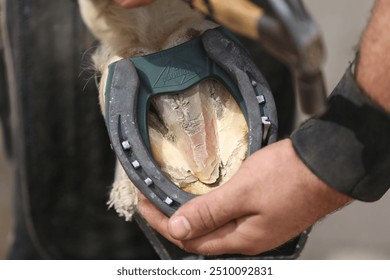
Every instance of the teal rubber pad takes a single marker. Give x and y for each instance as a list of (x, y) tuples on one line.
[(173, 71)]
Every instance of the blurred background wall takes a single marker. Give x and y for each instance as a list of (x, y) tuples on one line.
[(361, 230), (5, 200)]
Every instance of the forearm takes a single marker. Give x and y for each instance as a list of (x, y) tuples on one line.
[(374, 64)]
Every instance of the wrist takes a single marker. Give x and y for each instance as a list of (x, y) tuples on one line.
[(324, 199)]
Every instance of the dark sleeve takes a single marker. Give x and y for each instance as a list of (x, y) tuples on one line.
[(348, 146)]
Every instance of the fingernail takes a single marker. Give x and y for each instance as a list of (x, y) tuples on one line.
[(179, 227)]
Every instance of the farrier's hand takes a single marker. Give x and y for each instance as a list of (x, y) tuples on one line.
[(270, 200), (128, 4)]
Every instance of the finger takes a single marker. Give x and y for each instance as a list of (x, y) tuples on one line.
[(225, 240), (221, 241), (231, 238), (153, 216), (128, 4), (156, 219), (210, 211)]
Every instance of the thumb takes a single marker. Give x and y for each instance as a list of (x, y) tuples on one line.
[(208, 212)]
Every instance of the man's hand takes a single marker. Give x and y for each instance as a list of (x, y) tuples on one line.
[(129, 4), (271, 199)]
